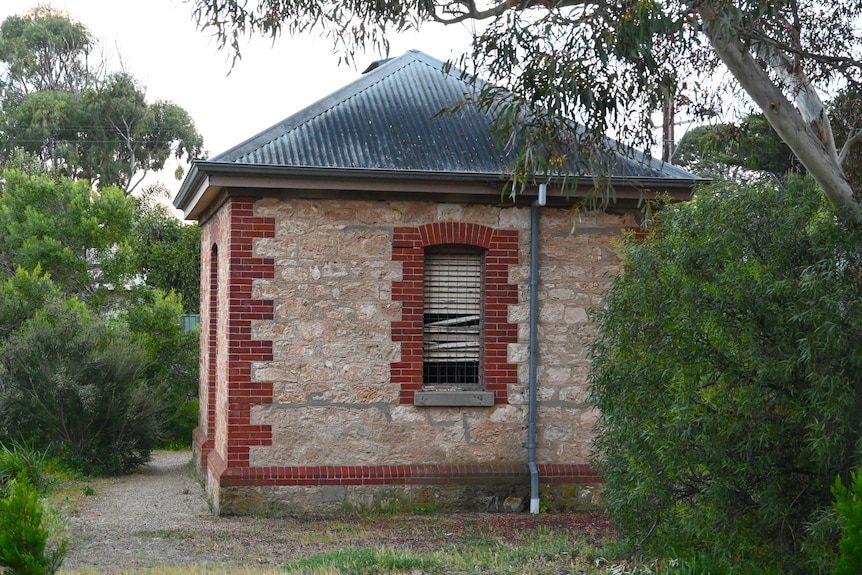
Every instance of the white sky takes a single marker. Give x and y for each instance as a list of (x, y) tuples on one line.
[(158, 43)]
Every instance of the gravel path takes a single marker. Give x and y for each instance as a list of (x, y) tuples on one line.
[(159, 516)]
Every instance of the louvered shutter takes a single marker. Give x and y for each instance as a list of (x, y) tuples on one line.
[(452, 318)]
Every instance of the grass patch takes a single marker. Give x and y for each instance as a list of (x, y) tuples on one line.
[(405, 544), (474, 551), (363, 562), (177, 445), (19, 460)]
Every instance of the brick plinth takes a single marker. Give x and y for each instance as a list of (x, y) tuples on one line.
[(405, 475)]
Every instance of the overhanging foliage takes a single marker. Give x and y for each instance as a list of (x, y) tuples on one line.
[(608, 66)]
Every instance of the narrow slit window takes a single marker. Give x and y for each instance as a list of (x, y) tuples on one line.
[(452, 330)]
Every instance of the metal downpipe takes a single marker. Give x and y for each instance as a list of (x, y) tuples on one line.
[(534, 347)]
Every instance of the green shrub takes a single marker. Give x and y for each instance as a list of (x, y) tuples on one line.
[(848, 504), (23, 538), (21, 460), (75, 381), (181, 423), (726, 372), (155, 323), (58, 226), (21, 295), (168, 251)]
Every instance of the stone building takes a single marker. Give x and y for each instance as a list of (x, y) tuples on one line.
[(373, 327)]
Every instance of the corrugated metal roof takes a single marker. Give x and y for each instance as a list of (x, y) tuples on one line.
[(390, 119), (387, 126)]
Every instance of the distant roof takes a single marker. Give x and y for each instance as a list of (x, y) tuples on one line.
[(392, 121)]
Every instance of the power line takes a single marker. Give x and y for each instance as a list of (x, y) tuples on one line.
[(65, 141)]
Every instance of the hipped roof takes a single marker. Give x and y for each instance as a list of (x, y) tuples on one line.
[(380, 132)]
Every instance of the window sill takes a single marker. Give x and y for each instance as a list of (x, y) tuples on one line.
[(453, 399)]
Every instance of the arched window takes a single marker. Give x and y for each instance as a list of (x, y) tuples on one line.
[(208, 393)]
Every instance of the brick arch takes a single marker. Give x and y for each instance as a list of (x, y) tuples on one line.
[(440, 233), (501, 247)]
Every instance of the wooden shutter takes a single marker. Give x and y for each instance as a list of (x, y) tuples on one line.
[(452, 317)]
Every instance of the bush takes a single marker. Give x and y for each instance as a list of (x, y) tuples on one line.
[(23, 539), (156, 324), (22, 461), (848, 504), (168, 251), (73, 380), (21, 296), (726, 372)]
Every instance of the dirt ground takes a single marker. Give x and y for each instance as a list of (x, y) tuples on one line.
[(159, 516)]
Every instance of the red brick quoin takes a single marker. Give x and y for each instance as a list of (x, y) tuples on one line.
[(243, 393), (501, 251)]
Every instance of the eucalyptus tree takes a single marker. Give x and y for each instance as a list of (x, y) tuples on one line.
[(846, 112), (607, 66), (61, 105), (743, 150), (43, 50), (748, 148), (125, 137)]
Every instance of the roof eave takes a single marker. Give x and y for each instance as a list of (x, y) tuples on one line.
[(206, 179)]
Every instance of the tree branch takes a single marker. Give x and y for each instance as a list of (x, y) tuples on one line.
[(810, 146), (845, 149), (805, 96), (837, 62), (464, 10)]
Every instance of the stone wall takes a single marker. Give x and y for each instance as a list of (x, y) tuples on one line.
[(335, 431)]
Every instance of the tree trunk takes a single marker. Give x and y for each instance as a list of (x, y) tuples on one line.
[(803, 138), (668, 119)]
